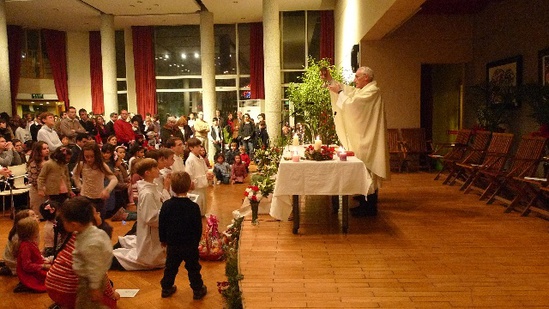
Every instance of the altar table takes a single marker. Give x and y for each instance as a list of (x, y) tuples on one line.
[(307, 177)]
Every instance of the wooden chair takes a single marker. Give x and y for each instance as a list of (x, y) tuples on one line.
[(494, 158), (474, 155), (448, 153), (505, 186), (416, 147), (397, 155), (522, 164)]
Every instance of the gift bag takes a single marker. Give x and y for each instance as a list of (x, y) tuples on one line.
[(210, 247)]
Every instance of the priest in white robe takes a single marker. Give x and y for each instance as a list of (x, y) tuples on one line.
[(359, 116)]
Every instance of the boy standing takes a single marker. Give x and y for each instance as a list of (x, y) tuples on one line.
[(197, 169), (180, 229), (92, 253)]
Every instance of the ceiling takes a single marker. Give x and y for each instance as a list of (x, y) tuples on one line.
[(84, 15), (452, 7)]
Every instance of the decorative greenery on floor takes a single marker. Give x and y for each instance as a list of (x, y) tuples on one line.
[(230, 289)]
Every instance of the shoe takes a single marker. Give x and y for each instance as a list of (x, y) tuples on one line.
[(5, 271), (20, 288), (200, 293), (169, 292), (54, 306)]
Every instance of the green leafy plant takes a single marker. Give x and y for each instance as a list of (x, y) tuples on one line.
[(537, 96), (489, 116), (311, 102), (230, 289)]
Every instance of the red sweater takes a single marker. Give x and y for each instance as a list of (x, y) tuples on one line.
[(29, 266), (123, 131)]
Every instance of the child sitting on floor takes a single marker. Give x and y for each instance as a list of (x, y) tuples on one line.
[(9, 267), (31, 265), (222, 170), (238, 171), (48, 211)]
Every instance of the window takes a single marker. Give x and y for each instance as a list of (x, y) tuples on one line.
[(34, 58)]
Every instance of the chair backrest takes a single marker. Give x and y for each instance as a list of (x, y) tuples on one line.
[(463, 137), (480, 143), (497, 150), (415, 140), (393, 140), (529, 152), (18, 172)]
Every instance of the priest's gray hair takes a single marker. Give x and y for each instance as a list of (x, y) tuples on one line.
[(367, 71)]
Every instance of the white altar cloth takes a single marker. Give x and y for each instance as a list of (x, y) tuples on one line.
[(307, 177)]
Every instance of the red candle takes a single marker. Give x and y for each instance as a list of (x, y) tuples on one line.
[(343, 156)]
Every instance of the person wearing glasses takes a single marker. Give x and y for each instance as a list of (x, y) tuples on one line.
[(361, 126)]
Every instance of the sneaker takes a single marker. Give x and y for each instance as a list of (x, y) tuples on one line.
[(169, 292), (200, 293)]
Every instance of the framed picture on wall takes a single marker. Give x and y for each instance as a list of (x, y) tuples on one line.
[(543, 66), (503, 78)]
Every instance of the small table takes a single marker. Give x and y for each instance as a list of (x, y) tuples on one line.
[(306, 177)]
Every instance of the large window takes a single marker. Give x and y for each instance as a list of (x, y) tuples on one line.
[(34, 58), (121, 80), (178, 68)]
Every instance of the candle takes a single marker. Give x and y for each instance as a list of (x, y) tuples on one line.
[(295, 141), (318, 143), (295, 156), (342, 154)]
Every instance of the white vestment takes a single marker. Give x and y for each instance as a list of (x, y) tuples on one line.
[(361, 127), (144, 251)]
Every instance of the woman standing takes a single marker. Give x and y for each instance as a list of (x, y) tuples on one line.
[(40, 154), (102, 130)]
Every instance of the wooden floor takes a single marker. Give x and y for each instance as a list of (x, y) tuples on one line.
[(430, 247)]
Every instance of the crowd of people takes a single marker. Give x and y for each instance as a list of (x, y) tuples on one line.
[(82, 170)]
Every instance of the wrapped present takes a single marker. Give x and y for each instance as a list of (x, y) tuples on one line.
[(210, 247)]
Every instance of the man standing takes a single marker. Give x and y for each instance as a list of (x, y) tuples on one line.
[(86, 122), (361, 126), (217, 137), (70, 126), (201, 130), (47, 134), (110, 124), (123, 129), (176, 145)]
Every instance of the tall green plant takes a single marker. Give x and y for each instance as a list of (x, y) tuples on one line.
[(311, 102)]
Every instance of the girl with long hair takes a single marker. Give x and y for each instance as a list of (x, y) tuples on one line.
[(90, 175), (39, 155)]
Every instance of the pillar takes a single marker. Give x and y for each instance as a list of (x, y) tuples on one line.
[(108, 59), (5, 94), (271, 50)]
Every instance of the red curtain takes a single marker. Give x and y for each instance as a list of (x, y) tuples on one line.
[(15, 33), (56, 47), (145, 81), (96, 74), (257, 84), (327, 35)]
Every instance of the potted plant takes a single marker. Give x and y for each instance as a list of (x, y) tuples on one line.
[(490, 117), (311, 102), (537, 96)]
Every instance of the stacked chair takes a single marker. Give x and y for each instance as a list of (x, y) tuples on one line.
[(474, 155), (397, 152), (416, 148)]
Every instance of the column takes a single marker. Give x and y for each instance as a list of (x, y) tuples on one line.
[(271, 50), (5, 94), (108, 58), (130, 70), (207, 54)]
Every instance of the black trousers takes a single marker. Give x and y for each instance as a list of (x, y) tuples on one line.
[(176, 255)]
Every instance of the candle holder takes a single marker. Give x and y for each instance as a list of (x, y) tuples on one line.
[(342, 156)]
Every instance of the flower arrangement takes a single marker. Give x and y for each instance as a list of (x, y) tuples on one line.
[(323, 154), (253, 193), (268, 157)]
